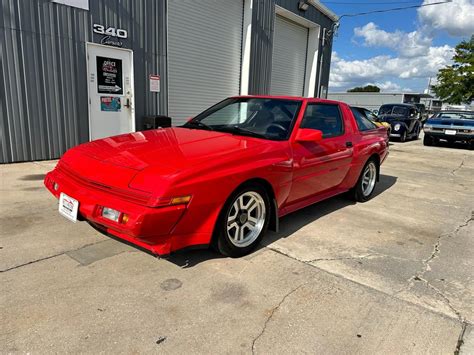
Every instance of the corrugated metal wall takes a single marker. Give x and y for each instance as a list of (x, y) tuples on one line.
[(261, 46), (262, 42), (43, 76), (145, 21), (43, 87)]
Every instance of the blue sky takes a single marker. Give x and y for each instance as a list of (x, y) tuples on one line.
[(399, 50)]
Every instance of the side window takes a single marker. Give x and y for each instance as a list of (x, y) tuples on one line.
[(325, 117), (362, 122)]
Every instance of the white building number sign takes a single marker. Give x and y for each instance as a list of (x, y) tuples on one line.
[(110, 31), (154, 83)]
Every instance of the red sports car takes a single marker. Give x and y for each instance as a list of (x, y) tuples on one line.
[(222, 178)]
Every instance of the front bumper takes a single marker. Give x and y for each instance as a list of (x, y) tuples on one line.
[(149, 228), (459, 136)]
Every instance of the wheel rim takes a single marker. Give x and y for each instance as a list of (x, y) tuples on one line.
[(368, 179), (246, 219)]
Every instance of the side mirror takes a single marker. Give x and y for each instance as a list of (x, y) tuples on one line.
[(309, 135)]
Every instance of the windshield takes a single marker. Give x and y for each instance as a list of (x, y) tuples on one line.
[(393, 110), (258, 117), (456, 115), (421, 107)]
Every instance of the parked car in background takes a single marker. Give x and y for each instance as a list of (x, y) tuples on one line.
[(451, 126), (422, 112), (222, 178), (370, 115), (404, 120)]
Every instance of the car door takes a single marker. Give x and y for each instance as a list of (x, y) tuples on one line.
[(321, 166)]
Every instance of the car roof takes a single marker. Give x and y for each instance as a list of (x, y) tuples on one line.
[(400, 104), (283, 97), (456, 111)]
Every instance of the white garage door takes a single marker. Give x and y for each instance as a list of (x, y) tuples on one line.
[(290, 42), (204, 54)]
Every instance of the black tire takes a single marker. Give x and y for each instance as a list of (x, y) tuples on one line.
[(428, 140), (357, 191), (223, 242), (417, 136), (403, 137)]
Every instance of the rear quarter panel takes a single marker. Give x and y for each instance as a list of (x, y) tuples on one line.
[(365, 144)]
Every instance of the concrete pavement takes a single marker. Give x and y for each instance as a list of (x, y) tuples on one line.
[(392, 275)]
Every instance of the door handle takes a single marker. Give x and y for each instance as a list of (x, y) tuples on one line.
[(349, 144), (127, 103)]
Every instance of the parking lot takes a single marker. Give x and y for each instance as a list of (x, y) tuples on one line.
[(393, 275)]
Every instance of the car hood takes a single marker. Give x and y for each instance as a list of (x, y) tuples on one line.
[(161, 154), (451, 121), (174, 147)]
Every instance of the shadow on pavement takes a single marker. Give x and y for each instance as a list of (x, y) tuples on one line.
[(453, 145), (297, 220), (288, 224), (33, 177)]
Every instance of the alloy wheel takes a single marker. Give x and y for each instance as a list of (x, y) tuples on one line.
[(369, 178), (246, 219)]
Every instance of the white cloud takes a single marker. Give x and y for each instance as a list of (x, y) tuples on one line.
[(389, 86), (414, 58), (456, 17), (378, 69), (407, 44)]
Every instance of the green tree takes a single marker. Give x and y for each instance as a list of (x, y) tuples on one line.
[(367, 88), (456, 82)]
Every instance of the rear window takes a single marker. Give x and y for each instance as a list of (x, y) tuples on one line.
[(362, 122), (393, 110)]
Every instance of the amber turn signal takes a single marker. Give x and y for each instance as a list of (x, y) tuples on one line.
[(124, 218), (180, 200)]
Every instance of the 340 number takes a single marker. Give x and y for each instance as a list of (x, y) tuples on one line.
[(110, 31)]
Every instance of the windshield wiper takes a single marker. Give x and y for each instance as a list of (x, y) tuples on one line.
[(241, 131), (198, 124)]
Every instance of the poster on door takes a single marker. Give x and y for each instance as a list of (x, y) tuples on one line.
[(110, 104), (109, 76)]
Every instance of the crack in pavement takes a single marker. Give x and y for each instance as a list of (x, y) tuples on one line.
[(460, 339), (346, 258), (274, 309), (31, 262), (394, 295), (446, 300), (434, 254), (50, 257), (367, 256), (454, 171)]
